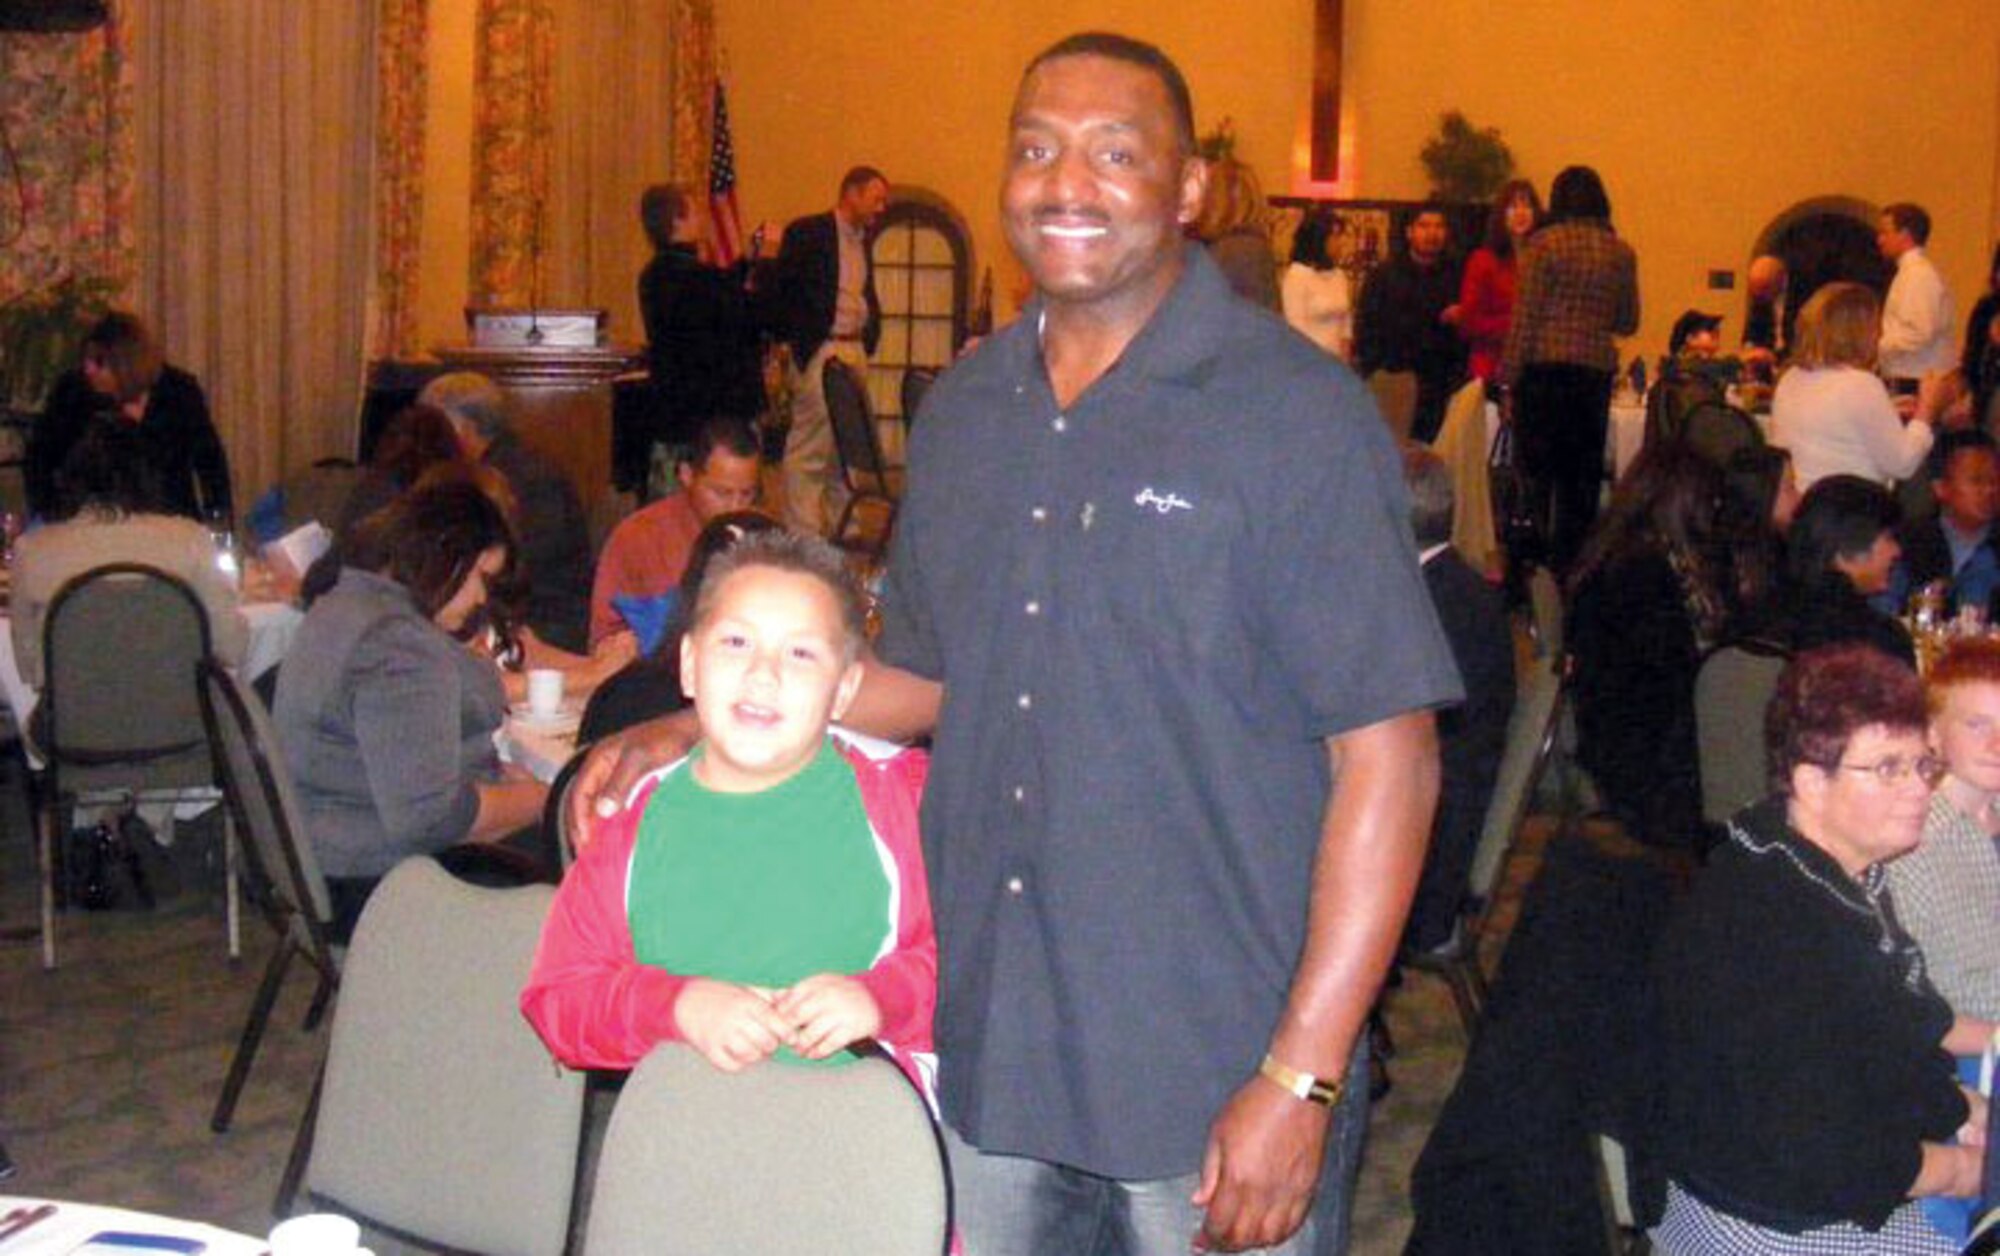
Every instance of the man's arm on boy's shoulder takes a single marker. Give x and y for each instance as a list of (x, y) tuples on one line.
[(588, 996), (892, 704)]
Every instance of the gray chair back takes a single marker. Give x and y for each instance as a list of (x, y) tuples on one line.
[(776, 1159), (1731, 690), (284, 872), (119, 649), (441, 1114), (1531, 733), (1545, 606), (258, 785), (917, 381)]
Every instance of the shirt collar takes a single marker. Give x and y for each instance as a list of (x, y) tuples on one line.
[(1184, 333)]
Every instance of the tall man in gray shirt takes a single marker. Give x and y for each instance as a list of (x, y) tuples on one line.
[(1153, 592)]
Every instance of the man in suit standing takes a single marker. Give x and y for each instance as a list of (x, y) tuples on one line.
[(827, 309), (1472, 736)]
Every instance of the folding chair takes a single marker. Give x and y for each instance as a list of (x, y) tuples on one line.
[(439, 1115), (1731, 690), (291, 893), (119, 718), (776, 1159), (862, 468)]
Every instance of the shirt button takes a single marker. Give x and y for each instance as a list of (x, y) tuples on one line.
[(1039, 514), (1015, 885), (1061, 424), (1025, 701), (1019, 793), (1033, 608)]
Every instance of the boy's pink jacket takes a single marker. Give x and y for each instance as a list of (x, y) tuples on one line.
[(597, 1006)]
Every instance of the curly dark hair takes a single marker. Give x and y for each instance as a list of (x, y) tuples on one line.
[(1825, 696)]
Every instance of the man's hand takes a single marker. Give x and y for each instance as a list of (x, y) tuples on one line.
[(616, 764), (828, 1012), (732, 1026), (1262, 1163)]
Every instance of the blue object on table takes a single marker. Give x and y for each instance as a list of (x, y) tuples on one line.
[(648, 617)]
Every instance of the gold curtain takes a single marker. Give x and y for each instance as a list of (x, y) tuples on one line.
[(580, 104), (401, 82), (623, 70), (511, 84), (66, 203), (255, 141)]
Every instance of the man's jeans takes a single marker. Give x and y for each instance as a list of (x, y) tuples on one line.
[(1016, 1206)]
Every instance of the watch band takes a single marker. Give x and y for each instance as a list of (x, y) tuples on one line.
[(1303, 1085)]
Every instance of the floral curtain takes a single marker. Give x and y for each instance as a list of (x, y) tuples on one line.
[(512, 82), (401, 84), (66, 169)]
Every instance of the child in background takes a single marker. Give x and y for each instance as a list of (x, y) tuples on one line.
[(765, 895)]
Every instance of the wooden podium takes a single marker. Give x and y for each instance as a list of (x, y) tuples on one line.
[(562, 403)]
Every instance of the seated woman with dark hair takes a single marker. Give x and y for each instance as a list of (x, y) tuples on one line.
[(385, 714), (418, 438), (125, 380), (1663, 579), (110, 510), (1840, 552), (1808, 1097)]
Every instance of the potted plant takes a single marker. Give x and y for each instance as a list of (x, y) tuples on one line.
[(41, 334), (1467, 164)]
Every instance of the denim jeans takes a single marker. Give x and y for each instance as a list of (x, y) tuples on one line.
[(1017, 1206)]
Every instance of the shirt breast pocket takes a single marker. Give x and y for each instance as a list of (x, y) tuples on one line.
[(1159, 567)]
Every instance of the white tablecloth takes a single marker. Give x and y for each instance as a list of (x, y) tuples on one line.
[(272, 627), (74, 1224)]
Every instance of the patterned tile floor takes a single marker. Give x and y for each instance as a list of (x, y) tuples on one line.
[(109, 1066)]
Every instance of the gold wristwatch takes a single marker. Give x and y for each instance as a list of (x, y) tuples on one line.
[(1304, 1085)]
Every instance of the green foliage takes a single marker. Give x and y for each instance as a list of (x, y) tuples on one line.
[(41, 335), (1466, 164)]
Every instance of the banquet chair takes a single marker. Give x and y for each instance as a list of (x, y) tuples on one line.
[(439, 1115), (289, 889), (1531, 737), (118, 720), (1396, 397), (1463, 443), (1545, 607), (917, 381), (1731, 690), (774, 1159), (1717, 431), (558, 843), (862, 468)]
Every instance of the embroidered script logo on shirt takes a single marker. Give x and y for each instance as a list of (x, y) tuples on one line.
[(1165, 505)]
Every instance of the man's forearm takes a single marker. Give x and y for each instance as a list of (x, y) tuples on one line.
[(893, 704), (1371, 852)]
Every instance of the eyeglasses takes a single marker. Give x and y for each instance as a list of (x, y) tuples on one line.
[(1894, 771)]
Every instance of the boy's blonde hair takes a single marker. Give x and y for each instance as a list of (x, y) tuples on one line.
[(784, 550)]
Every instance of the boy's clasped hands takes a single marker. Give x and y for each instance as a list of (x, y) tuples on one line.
[(735, 1026)]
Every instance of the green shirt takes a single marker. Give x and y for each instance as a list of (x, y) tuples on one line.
[(762, 889)]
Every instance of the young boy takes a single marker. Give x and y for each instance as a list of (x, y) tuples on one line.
[(765, 895)]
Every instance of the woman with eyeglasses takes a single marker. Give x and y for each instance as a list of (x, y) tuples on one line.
[(1808, 1095)]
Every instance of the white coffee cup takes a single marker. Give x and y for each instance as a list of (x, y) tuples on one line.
[(545, 692), (316, 1234)]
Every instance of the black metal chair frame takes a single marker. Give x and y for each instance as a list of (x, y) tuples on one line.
[(859, 447), (286, 894)]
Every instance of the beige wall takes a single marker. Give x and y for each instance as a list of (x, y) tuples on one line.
[(1707, 118)]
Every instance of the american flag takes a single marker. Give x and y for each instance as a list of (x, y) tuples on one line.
[(722, 188)]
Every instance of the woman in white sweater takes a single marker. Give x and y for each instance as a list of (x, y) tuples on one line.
[(1832, 411)]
